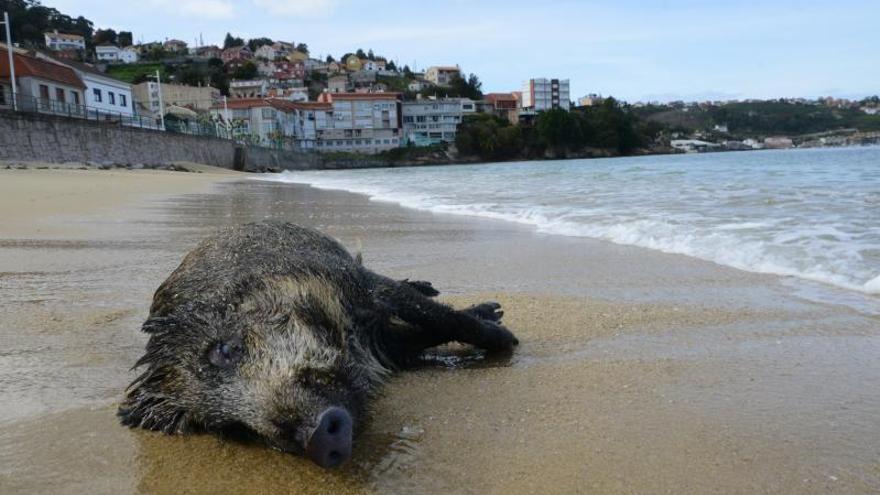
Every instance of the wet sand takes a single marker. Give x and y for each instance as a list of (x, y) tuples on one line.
[(638, 372)]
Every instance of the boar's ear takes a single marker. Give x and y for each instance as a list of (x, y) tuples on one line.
[(149, 401)]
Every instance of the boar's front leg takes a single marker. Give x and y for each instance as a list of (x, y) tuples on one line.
[(427, 323)]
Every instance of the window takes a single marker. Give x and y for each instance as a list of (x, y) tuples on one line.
[(2, 94), (59, 95), (111, 97), (44, 91), (122, 101), (74, 97), (97, 94)]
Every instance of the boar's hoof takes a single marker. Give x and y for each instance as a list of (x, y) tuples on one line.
[(487, 311)]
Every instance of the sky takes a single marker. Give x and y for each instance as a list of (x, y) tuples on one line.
[(636, 50)]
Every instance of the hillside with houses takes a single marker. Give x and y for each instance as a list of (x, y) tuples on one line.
[(276, 93)]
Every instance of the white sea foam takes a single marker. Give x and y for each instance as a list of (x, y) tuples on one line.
[(806, 214)]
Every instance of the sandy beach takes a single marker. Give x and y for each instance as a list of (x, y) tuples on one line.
[(638, 372)]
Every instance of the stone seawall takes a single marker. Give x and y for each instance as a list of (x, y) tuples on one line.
[(46, 138)]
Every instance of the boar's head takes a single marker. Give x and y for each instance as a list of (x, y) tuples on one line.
[(283, 360)]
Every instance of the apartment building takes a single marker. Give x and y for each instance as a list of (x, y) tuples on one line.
[(543, 94), (360, 122), (303, 122), (433, 121)]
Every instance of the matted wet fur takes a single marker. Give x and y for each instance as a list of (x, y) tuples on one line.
[(265, 327)]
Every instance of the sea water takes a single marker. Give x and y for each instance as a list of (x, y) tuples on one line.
[(812, 213)]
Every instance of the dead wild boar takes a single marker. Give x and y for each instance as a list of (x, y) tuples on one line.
[(275, 330)]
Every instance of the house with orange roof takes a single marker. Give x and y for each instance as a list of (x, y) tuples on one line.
[(41, 85)]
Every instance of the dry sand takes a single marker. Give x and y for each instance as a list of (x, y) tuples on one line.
[(637, 372)]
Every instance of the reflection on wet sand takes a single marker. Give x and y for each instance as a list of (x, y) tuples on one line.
[(637, 371)]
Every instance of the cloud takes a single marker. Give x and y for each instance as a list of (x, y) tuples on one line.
[(212, 9), (298, 8)]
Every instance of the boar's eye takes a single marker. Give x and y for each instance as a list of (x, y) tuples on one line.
[(225, 354)]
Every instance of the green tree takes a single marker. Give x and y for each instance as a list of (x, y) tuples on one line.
[(102, 36), (302, 47), (232, 41), (559, 130), (124, 38), (255, 43), (247, 70), (156, 53)]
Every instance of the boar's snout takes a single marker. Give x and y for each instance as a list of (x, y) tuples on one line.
[(330, 443)]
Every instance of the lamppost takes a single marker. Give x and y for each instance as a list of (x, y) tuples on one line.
[(11, 61)]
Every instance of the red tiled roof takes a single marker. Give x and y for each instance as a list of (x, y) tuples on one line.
[(33, 67), (242, 103), (493, 97), (64, 36)]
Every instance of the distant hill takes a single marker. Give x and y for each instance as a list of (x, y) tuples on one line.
[(761, 118)]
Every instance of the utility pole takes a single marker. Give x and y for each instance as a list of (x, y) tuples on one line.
[(161, 103), (11, 61)]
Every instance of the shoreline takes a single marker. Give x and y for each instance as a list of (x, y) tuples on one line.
[(638, 371), (807, 283)]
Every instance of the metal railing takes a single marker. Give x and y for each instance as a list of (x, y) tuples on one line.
[(62, 108), (202, 126), (78, 112)]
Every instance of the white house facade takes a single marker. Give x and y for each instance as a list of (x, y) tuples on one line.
[(103, 93), (129, 55), (107, 53)]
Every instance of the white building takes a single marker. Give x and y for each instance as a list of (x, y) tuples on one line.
[(442, 75), (543, 94), (418, 85), (360, 122), (373, 65), (64, 41), (104, 94), (427, 122), (129, 55), (107, 53), (266, 51)]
